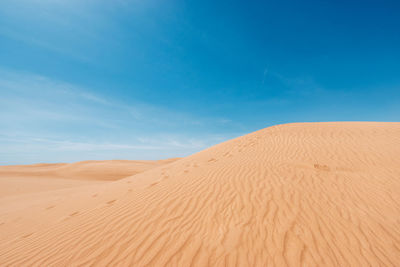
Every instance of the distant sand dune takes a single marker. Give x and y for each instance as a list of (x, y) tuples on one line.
[(22, 179), (304, 194), (108, 170)]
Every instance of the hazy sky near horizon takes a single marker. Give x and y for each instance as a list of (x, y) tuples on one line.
[(153, 79)]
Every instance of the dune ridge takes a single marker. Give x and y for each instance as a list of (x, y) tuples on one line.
[(104, 170), (23, 179), (302, 194)]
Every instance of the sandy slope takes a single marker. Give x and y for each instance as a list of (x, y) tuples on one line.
[(22, 179), (108, 170), (325, 194)]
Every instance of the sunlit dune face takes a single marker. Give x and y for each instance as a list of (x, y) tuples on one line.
[(296, 194)]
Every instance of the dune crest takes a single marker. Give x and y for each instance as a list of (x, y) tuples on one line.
[(23, 179), (100, 170), (309, 194)]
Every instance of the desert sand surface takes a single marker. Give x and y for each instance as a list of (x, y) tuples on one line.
[(22, 179), (107, 170), (302, 194)]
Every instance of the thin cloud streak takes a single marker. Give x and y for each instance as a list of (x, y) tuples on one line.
[(45, 117)]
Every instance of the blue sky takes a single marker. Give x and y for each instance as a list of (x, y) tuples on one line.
[(154, 79)]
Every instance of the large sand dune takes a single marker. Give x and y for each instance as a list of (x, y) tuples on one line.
[(312, 194)]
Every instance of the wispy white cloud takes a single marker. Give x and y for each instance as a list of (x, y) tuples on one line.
[(42, 98), (50, 118)]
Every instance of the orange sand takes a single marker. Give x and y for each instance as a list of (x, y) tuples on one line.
[(305, 194), (19, 179)]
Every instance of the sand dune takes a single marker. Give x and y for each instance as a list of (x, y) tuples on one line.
[(311, 194), (22, 179), (108, 170)]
